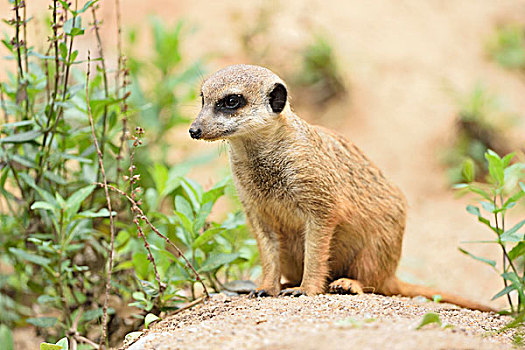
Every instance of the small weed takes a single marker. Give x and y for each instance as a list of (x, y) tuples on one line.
[(320, 72), (432, 318), (507, 47), (355, 323), (503, 191), (481, 124)]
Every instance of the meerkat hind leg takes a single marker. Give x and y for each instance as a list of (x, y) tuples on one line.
[(345, 286)]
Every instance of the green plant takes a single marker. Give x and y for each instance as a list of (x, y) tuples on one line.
[(432, 318), (63, 149), (481, 124), (62, 344), (504, 190), (507, 46), (320, 71)]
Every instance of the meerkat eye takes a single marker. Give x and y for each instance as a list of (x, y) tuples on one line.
[(230, 103), (202, 98)]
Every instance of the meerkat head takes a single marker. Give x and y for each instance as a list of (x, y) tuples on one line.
[(238, 100)]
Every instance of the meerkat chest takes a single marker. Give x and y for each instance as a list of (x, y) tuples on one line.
[(265, 178), (268, 186)]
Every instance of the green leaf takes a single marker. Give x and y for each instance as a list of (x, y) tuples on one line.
[(206, 236), (473, 210), (55, 178), (203, 214), (18, 124), (63, 50), (216, 261), (102, 213), (21, 137), (517, 282), (216, 192), (517, 251), (511, 236), (479, 191), (428, 318), (194, 192), (496, 168), (503, 292), (48, 346), (76, 31), (513, 199), (522, 185), (468, 170), (488, 206), (149, 319), (184, 207), (138, 296), (486, 261), (43, 322), (87, 5), (6, 338), (94, 314), (36, 259), (75, 200), (46, 196), (185, 222), (72, 26), (44, 206), (64, 343), (506, 160)]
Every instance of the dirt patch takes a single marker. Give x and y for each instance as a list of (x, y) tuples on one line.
[(324, 322)]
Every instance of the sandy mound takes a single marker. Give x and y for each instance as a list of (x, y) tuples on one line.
[(324, 322)]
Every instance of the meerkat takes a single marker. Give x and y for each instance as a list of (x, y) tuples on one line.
[(324, 216)]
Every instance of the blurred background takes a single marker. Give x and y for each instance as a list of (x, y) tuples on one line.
[(419, 86)]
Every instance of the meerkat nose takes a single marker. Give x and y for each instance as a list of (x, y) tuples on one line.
[(195, 133)]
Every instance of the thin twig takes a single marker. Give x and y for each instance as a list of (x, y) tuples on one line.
[(135, 206), (121, 65), (24, 18), (119, 48), (124, 111), (82, 339), (108, 200), (17, 43), (104, 75), (189, 306), (141, 234)]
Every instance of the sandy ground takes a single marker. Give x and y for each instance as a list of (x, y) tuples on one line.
[(323, 322), (401, 59)]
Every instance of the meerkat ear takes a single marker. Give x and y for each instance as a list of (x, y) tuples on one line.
[(278, 98)]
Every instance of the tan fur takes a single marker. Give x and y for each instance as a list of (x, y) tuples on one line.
[(319, 208)]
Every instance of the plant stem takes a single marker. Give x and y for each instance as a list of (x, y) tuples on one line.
[(108, 200), (17, 43), (104, 76), (509, 298)]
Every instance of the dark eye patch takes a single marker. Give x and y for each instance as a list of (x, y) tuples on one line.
[(230, 103), (202, 98)]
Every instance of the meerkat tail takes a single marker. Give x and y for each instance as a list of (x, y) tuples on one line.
[(412, 290)]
